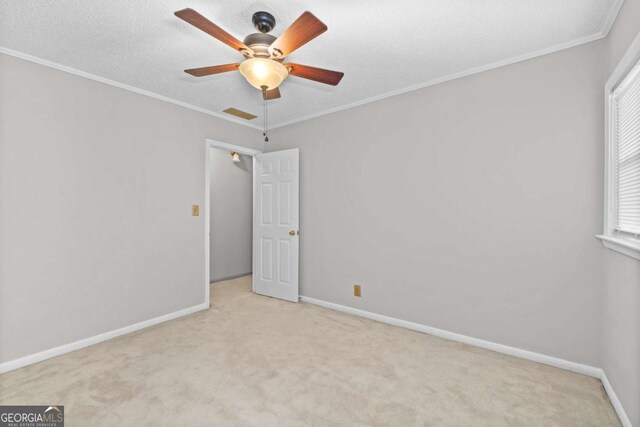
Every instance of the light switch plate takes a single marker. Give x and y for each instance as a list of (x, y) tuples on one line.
[(195, 210)]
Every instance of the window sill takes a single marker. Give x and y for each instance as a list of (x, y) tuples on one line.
[(629, 247)]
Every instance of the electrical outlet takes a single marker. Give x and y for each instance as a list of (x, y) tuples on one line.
[(357, 291), (195, 210)]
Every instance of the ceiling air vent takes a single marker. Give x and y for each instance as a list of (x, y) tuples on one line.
[(239, 113)]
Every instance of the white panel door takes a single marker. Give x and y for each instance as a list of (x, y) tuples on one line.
[(275, 224)]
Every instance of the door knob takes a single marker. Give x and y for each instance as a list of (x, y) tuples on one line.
[(292, 233)]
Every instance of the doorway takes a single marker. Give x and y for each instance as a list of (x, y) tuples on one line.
[(272, 227), (229, 212)]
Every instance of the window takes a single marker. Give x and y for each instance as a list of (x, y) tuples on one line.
[(622, 213), (626, 150)]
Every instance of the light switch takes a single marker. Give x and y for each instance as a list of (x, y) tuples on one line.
[(195, 210)]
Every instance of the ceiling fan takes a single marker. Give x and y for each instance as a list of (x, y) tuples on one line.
[(264, 54)]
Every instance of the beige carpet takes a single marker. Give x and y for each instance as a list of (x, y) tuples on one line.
[(256, 361)]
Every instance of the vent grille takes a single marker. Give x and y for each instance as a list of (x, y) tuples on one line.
[(240, 113)]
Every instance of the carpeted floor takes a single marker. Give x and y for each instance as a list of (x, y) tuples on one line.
[(256, 361)]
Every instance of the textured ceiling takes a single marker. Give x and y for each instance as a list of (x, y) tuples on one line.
[(382, 46)]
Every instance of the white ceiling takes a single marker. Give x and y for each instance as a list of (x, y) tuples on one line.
[(384, 47)]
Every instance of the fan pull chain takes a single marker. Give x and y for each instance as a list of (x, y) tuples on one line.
[(266, 138)]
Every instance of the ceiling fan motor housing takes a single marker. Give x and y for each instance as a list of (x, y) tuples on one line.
[(263, 21), (259, 44)]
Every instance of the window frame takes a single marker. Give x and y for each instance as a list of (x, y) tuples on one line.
[(610, 238)]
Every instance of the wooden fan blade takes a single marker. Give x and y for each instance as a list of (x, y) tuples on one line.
[(271, 94), (202, 23), (306, 28), (216, 69), (316, 74)]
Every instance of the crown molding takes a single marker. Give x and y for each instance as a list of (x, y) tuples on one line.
[(611, 19), (74, 71), (455, 76), (606, 28), (604, 31)]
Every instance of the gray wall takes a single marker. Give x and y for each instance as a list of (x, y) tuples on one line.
[(621, 316), (469, 206), (95, 208), (504, 172), (231, 193)]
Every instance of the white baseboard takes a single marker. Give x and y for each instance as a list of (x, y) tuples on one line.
[(234, 276), (500, 348), (615, 402), (77, 345)]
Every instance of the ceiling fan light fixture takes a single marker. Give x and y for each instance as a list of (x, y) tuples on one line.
[(261, 72), (264, 53)]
